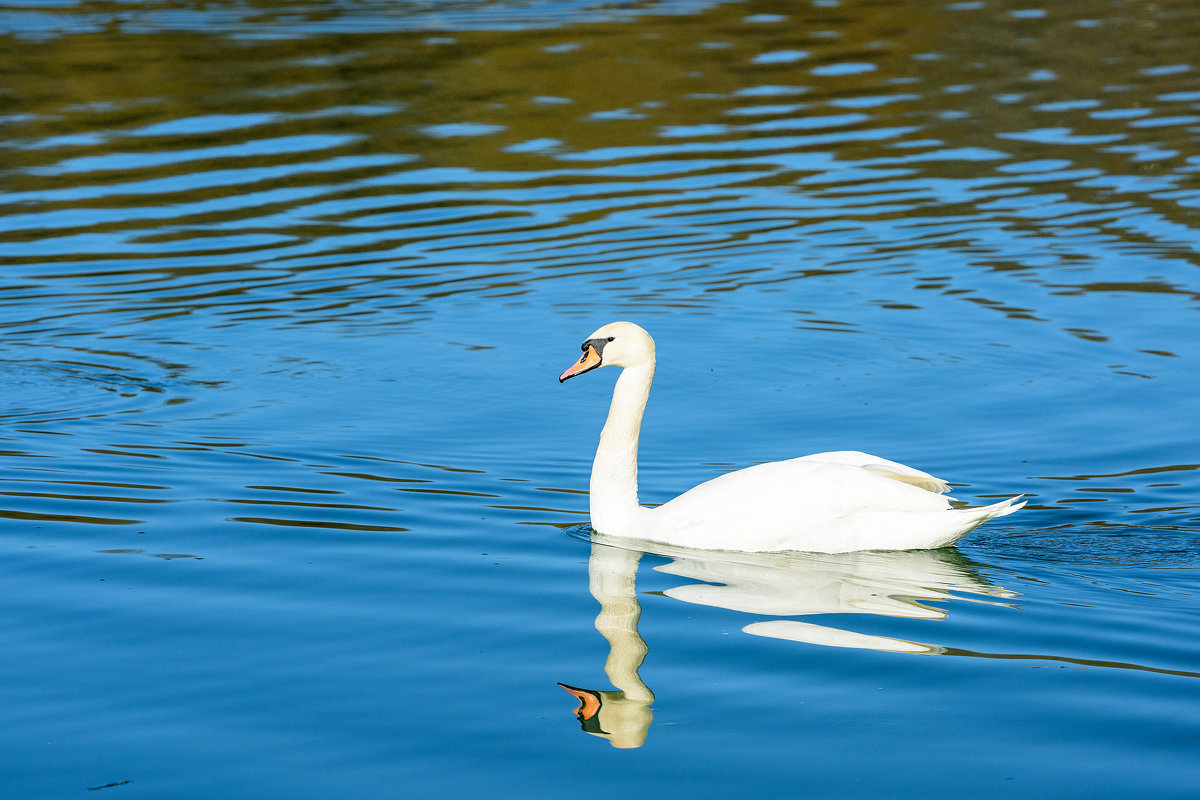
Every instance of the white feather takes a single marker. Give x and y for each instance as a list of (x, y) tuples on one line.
[(827, 502)]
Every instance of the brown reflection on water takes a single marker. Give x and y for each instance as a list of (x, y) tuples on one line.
[(327, 176), (969, 77)]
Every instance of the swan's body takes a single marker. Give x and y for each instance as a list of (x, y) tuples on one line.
[(827, 502)]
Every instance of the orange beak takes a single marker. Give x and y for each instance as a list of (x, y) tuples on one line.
[(589, 361), (589, 703)]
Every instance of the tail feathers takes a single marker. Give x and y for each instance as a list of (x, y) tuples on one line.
[(1000, 509)]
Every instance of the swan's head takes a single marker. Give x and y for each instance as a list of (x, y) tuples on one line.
[(617, 344)]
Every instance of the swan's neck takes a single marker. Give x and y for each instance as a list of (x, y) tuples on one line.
[(614, 490)]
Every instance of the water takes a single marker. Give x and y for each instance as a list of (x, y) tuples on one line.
[(291, 501)]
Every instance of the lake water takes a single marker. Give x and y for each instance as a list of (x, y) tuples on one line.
[(292, 504)]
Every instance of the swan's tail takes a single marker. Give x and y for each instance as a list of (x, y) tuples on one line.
[(971, 518), (984, 513)]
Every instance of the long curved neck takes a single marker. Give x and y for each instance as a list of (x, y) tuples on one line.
[(614, 490)]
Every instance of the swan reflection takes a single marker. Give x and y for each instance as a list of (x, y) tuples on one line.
[(894, 584), (622, 716)]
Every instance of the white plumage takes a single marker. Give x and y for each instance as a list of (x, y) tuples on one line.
[(827, 502)]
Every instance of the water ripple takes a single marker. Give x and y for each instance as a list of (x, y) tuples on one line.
[(44, 385)]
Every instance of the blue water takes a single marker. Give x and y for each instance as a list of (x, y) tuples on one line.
[(292, 504)]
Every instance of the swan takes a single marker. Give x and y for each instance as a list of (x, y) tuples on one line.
[(835, 502)]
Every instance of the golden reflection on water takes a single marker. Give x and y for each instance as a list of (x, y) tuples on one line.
[(733, 130)]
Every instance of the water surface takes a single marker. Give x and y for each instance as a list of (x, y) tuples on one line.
[(292, 505)]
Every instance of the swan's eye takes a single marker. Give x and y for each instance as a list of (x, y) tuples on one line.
[(611, 338)]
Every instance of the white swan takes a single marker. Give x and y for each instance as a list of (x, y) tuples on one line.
[(828, 502)]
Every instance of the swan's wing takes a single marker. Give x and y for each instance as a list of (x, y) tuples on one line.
[(780, 500), (899, 472), (881, 466)]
